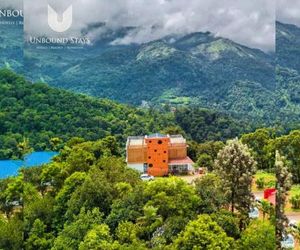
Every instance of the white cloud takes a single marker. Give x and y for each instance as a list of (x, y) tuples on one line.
[(15, 4), (288, 11), (247, 22)]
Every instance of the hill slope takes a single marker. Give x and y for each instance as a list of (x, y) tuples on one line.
[(41, 113), (288, 45), (195, 69), (288, 69), (11, 43)]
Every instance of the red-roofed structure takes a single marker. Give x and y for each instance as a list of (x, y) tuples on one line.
[(272, 199), (186, 160), (270, 195)]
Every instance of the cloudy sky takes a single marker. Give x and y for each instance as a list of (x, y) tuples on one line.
[(247, 22), (16, 4), (288, 11)]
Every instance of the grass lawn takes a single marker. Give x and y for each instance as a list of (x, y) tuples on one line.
[(294, 191), (268, 177)]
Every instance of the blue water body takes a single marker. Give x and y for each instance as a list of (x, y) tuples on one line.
[(10, 168)]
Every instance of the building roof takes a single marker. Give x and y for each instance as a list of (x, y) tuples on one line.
[(135, 141), (140, 140), (186, 160), (174, 139), (270, 195), (272, 199), (157, 135)]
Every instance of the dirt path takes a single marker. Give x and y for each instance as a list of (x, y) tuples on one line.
[(293, 216), (259, 194)]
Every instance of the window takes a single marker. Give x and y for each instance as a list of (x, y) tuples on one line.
[(179, 168)]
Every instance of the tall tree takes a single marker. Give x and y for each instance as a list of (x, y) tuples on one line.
[(236, 168), (283, 185), (257, 141)]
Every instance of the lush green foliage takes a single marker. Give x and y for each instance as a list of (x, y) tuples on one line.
[(236, 167), (42, 114), (258, 235), (164, 70), (295, 201), (11, 43), (264, 143), (260, 182), (198, 68), (40, 117), (204, 125), (88, 199), (288, 70), (203, 233), (210, 190), (11, 236)]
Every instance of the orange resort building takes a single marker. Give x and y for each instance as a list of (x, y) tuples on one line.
[(158, 154)]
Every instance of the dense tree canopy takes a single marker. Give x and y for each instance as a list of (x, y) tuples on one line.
[(87, 198), (203, 233), (93, 201), (35, 116), (47, 117), (258, 235)]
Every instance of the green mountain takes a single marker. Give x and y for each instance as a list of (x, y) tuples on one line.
[(288, 69), (11, 43), (288, 45), (43, 114), (199, 68)]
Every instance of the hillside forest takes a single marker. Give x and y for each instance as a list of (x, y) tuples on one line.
[(87, 198)]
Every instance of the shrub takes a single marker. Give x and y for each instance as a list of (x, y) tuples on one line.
[(295, 201), (270, 184), (260, 182)]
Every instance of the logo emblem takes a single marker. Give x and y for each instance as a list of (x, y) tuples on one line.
[(60, 23)]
